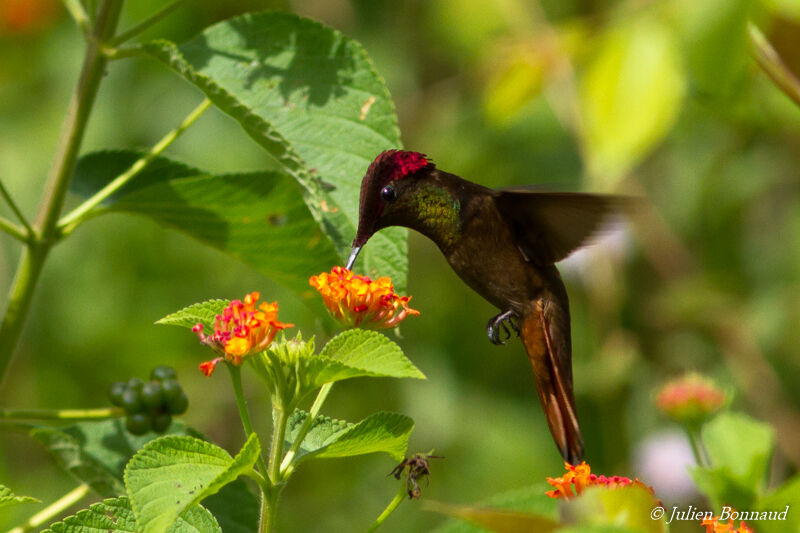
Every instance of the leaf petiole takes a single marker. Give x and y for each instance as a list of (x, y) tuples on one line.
[(70, 221), (145, 24), (61, 414), (286, 466), (54, 509), (392, 507)]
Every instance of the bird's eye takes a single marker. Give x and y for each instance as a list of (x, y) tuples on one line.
[(388, 194)]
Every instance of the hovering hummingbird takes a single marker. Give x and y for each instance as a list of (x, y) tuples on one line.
[(503, 244)]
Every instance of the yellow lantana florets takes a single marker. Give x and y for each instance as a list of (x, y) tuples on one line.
[(241, 330), (358, 301)]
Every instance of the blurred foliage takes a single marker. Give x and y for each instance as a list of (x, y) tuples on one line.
[(652, 98)]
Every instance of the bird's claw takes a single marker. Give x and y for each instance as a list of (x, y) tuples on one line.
[(501, 321)]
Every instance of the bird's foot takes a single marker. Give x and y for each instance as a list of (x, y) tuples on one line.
[(501, 322)]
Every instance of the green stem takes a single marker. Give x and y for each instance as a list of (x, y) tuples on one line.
[(75, 8), (142, 26), (33, 256), (286, 466), (71, 220), (700, 454), (13, 230), (54, 509), (772, 64), (392, 507), (61, 414), (276, 447), (15, 208), (241, 404)]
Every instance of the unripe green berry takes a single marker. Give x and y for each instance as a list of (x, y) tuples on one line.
[(115, 393), (161, 373), (131, 401), (171, 389), (178, 406), (152, 396), (138, 424), (135, 384), (161, 422)]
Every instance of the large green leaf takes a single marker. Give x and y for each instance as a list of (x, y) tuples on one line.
[(96, 452), (9, 499), (172, 474), (115, 515), (782, 504), (742, 445), (630, 96), (372, 353), (257, 217), (328, 437), (313, 100)]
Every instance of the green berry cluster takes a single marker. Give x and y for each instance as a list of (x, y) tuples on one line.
[(150, 405)]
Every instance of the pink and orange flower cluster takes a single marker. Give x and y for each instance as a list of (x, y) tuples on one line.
[(244, 328), (358, 301), (579, 477), (690, 399)]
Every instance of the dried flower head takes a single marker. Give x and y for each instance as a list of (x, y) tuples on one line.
[(357, 301), (579, 477), (244, 328), (690, 399)]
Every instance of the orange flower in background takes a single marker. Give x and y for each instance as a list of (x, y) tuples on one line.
[(357, 301), (579, 477), (26, 16), (690, 399), (713, 525), (241, 330)]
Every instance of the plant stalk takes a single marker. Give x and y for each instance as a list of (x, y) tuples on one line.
[(70, 221), (286, 466), (12, 229), (392, 507), (15, 208), (61, 414), (771, 63), (54, 509), (145, 24), (699, 451), (241, 404), (33, 256)]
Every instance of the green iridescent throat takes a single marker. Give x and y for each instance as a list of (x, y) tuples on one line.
[(438, 214)]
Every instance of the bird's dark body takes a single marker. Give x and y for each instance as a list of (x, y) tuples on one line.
[(503, 244)]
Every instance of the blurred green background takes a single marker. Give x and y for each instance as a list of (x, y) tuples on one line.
[(657, 98)]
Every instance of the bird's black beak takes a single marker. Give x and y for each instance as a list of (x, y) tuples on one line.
[(352, 258)]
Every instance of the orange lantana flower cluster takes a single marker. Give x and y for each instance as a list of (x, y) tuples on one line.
[(713, 525), (579, 477), (242, 329), (357, 301)]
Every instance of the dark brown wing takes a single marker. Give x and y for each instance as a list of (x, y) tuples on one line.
[(550, 226)]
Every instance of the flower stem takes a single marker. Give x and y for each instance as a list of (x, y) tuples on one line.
[(61, 414), (142, 26), (772, 64), (241, 404), (286, 466), (74, 218), (54, 509), (15, 208), (699, 451), (392, 507), (34, 254)]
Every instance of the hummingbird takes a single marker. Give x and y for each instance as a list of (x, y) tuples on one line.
[(504, 245)]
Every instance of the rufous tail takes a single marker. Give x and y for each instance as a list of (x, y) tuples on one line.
[(546, 335)]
